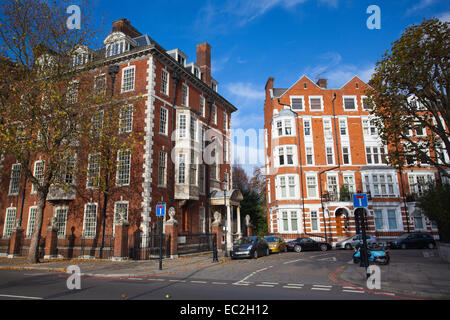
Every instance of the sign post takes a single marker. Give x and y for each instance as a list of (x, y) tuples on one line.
[(360, 202), (160, 213)]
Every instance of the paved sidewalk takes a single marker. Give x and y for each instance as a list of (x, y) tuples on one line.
[(115, 269), (428, 278)]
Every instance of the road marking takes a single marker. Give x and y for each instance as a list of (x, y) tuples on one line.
[(218, 282), (355, 291), (195, 281), (295, 284), (324, 289), (265, 285), (292, 261), (322, 286), (328, 259), (135, 279), (255, 272), (241, 284), (151, 279), (177, 280), (292, 287), (274, 283), (20, 297)]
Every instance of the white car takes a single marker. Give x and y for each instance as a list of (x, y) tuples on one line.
[(351, 242)]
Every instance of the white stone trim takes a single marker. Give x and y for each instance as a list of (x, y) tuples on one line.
[(148, 146)]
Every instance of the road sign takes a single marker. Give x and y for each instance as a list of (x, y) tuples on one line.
[(161, 209), (360, 200)]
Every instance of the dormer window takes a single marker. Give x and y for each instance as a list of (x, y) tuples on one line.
[(214, 85), (179, 56), (194, 69), (118, 43)]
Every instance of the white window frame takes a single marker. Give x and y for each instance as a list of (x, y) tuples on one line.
[(61, 231), (90, 168), (185, 98), (10, 223), (327, 147), (353, 185), (362, 104), (123, 169), (126, 119), (126, 86), (343, 121), (182, 130), (303, 103), (165, 88), (310, 175), (164, 111), (287, 187), (162, 168), (202, 106), (354, 101), (127, 203), (15, 179), (349, 154), (90, 234), (31, 221), (307, 136), (309, 145), (318, 221), (385, 219), (214, 114), (321, 103), (284, 149), (35, 173)]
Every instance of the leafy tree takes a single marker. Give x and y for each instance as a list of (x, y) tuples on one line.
[(409, 95), (44, 114), (253, 192), (435, 204)]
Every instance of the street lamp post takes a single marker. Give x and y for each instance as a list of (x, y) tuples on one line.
[(224, 182)]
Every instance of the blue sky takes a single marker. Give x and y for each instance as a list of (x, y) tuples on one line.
[(253, 40)]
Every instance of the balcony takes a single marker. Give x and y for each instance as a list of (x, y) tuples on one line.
[(60, 193), (329, 196)]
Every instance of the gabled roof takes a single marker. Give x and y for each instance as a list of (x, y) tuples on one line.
[(301, 78)]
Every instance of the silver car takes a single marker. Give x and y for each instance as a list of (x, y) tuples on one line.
[(351, 242)]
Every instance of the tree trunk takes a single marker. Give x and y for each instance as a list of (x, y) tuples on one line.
[(33, 253)]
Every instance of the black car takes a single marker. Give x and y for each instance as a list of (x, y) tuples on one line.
[(250, 247), (307, 244), (414, 240)]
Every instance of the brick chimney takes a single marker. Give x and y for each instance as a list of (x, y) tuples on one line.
[(322, 83), (123, 25), (204, 61)]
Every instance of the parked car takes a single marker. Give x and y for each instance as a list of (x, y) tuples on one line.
[(413, 240), (355, 241), (249, 247), (307, 244), (276, 244)]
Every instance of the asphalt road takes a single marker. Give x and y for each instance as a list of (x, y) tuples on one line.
[(285, 276)]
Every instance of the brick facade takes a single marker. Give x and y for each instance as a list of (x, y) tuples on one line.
[(144, 190), (294, 195)]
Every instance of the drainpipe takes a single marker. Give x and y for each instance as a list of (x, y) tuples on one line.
[(176, 78)]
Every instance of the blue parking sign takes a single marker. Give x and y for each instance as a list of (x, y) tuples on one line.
[(160, 209), (360, 200)]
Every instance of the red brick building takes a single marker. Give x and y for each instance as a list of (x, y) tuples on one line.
[(180, 113), (317, 157)]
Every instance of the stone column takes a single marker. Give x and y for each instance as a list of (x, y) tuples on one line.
[(229, 230), (238, 217), (51, 242), (249, 226), (121, 241), (15, 242), (171, 226), (216, 227)]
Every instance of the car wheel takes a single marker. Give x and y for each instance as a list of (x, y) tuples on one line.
[(298, 248), (348, 246), (255, 254), (403, 246), (324, 247), (430, 246)]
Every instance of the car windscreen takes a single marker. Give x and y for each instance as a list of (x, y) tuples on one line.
[(271, 239), (244, 241), (404, 236)]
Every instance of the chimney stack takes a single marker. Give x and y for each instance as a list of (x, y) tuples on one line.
[(204, 61), (123, 25), (322, 83)]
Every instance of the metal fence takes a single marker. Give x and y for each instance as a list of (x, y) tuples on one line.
[(145, 247), (196, 242)]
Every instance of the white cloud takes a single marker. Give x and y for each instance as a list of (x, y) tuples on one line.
[(419, 6), (245, 90), (444, 17), (336, 72)]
